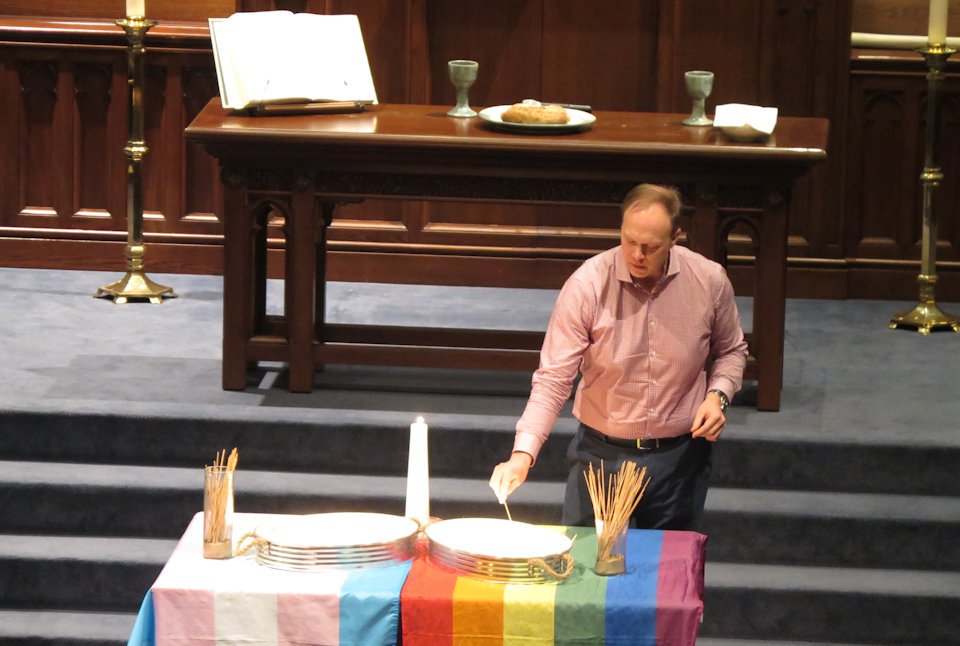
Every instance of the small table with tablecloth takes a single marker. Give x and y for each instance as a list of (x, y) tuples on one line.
[(200, 601)]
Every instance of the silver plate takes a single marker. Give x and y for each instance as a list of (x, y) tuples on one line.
[(335, 530), (497, 550), (336, 541), (498, 570)]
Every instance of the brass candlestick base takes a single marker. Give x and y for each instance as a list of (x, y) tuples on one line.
[(135, 285), (926, 317)]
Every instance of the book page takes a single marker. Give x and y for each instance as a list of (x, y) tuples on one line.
[(281, 57), (220, 60), (323, 58), (245, 53)]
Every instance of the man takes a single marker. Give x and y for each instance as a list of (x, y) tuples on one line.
[(653, 329)]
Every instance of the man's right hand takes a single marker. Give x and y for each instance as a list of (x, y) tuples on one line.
[(509, 475)]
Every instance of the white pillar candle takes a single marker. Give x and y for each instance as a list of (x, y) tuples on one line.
[(136, 8), (937, 32), (418, 474)]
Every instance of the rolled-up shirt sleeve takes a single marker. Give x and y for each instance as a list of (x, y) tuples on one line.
[(728, 348), (566, 339)]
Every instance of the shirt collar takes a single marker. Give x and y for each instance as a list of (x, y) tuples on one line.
[(621, 270), (623, 273), (673, 264)]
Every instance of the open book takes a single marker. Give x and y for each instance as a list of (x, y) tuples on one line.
[(268, 57)]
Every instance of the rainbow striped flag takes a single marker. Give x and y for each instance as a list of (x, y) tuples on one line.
[(658, 601)]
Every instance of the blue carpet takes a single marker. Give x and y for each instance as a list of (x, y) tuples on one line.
[(846, 376)]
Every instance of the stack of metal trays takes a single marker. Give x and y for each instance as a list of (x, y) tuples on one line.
[(498, 550), (335, 541)]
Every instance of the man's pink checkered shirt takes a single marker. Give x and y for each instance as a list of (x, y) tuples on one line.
[(645, 357)]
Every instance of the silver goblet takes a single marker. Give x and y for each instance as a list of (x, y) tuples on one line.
[(699, 85), (462, 75)]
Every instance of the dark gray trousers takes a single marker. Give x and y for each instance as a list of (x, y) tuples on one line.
[(674, 499)]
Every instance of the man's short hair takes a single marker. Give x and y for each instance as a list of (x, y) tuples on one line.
[(649, 194)]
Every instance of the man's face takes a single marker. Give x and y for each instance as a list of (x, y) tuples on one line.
[(646, 239)]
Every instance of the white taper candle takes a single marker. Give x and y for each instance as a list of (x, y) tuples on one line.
[(418, 474), (937, 32), (136, 8)]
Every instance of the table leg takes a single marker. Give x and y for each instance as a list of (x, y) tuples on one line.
[(259, 235), (238, 281), (704, 223), (320, 282), (769, 308), (299, 284)]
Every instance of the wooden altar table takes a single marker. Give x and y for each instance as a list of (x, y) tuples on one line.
[(302, 166)]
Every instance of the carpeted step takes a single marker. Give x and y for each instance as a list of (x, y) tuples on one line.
[(812, 528), (117, 500), (461, 445), (331, 441), (744, 459), (829, 528), (52, 628), (47, 628), (719, 641), (78, 572), (763, 602)]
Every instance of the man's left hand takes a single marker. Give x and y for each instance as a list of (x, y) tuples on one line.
[(709, 421)]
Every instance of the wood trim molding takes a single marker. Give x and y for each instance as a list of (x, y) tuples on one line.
[(94, 32)]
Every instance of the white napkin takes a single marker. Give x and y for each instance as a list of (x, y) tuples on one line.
[(735, 115)]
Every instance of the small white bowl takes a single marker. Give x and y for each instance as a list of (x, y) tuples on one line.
[(743, 122), (743, 133)]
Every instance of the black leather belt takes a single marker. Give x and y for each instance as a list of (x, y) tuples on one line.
[(652, 444)]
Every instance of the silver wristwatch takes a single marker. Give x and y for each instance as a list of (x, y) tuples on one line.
[(724, 402)]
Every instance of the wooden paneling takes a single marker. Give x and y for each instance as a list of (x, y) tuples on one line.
[(389, 47), (98, 171), (601, 54), (887, 138), (946, 201), (9, 138), (187, 10), (882, 195), (855, 220), (744, 44), (43, 173), (503, 36), (62, 162), (397, 62), (900, 16), (199, 173), (723, 37), (813, 80)]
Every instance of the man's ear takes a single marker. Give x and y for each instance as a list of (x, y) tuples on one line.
[(676, 236)]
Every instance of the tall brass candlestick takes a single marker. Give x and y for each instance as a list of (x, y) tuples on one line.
[(135, 284), (926, 316)]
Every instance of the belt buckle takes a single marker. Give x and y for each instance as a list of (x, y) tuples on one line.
[(640, 446)]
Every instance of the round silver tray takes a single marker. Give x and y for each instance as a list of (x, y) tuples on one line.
[(499, 550), (335, 541), (332, 561)]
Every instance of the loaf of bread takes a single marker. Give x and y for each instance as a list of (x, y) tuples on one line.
[(528, 113)]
